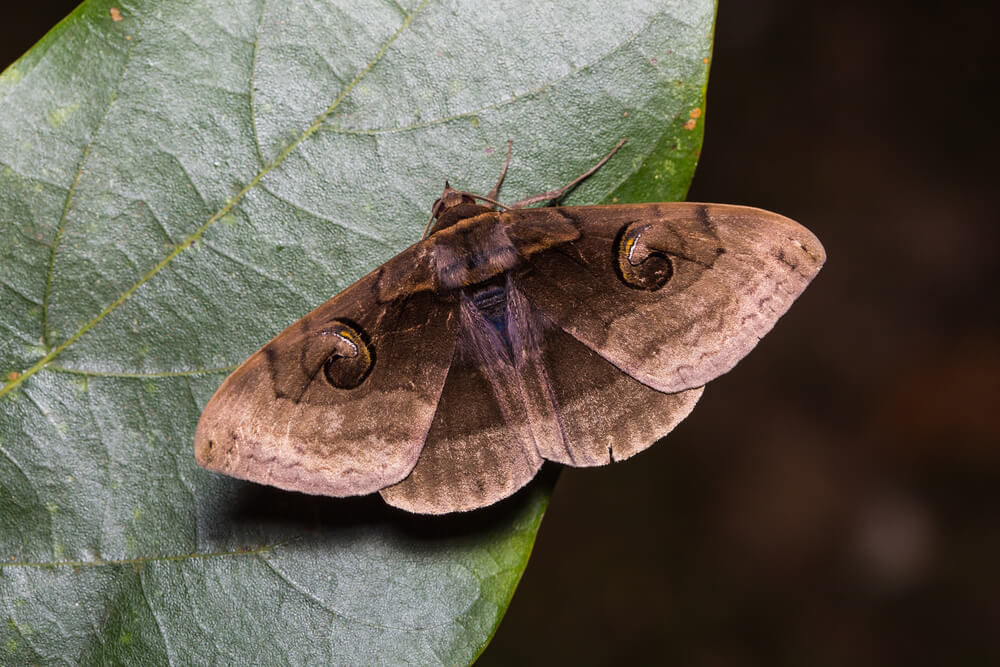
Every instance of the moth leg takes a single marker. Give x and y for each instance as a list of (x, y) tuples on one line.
[(492, 194), (556, 194)]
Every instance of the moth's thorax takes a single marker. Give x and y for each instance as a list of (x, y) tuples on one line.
[(452, 208), (472, 251)]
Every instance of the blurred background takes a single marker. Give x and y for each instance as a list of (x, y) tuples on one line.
[(835, 500)]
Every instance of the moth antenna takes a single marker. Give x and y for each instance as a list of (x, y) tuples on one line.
[(427, 227), (486, 199), (556, 194), (503, 172)]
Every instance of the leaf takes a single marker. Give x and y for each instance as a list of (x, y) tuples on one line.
[(181, 180)]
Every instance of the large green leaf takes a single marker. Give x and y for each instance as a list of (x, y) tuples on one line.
[(179, 181)]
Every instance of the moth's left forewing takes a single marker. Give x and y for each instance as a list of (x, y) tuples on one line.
[(340, 402), (673, 294)]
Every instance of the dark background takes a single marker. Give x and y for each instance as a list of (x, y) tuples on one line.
[(835, 500)]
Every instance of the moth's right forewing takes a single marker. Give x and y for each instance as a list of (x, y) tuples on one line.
[(340, 402), (673, 294)]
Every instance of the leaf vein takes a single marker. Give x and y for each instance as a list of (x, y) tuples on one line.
[(255, 269), (190, 240), (253, 84), (156, 617), (55, 428), (106, 519), (159, 223), (29, 177), (319, 216), (142, 560), (347, 617), (68, 202), (20, 293), (496, 105), (161, 374)]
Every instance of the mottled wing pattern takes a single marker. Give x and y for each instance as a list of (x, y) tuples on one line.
[(480, 448), (583, 410), (605, 414), (512, 400), (341, 401), (673, 294), (575, 334)]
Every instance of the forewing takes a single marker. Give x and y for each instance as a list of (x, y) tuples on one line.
[(341, 401), (673, 294)]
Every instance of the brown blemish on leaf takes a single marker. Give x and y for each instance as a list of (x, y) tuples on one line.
[(13, 376), (116, 14), (691, 124), (695, 113)]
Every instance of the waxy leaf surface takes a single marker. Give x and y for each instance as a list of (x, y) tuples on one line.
[(181, 180)]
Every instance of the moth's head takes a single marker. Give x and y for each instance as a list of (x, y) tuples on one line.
[(453, 205), (450, 198)]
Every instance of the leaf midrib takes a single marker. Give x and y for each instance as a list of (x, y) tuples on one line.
[(255, 182), (233, 201)]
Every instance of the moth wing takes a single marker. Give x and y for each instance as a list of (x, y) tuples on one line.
[(583, 410), (603, 414), (480, 448), (500, 416), (673, 294), (340, 402), (472, 458)]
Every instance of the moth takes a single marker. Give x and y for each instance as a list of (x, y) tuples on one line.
[(507, 336)]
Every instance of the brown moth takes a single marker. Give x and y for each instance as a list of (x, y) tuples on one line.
[(577, 334)]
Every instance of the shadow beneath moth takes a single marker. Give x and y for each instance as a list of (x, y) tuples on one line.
[(505, 337)]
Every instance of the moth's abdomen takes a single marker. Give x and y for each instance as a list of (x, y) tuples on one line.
[(490, 300)]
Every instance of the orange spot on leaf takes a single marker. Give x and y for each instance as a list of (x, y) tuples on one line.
[(691, 124), (116, 15), (695, 113), (13, 376)]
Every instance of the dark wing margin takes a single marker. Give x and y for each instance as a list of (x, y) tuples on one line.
[(341, 401), (673, 294)]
